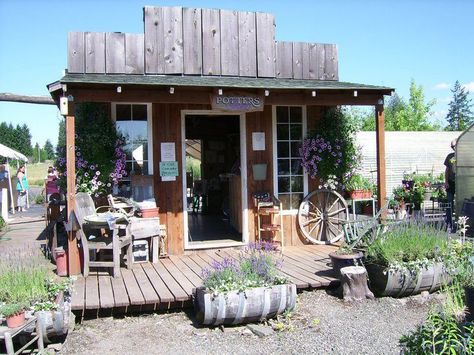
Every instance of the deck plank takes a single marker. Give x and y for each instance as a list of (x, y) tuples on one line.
[(173, 286), (92, 292), (120, 292), (78, 294), (146, 287), (106, 294), (133, 290), (179, 277), (196, 268), (160, 287), (310, 264), (186, 270)]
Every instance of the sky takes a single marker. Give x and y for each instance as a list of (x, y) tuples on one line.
[(379, 42)]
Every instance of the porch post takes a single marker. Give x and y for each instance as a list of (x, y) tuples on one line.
[(380, 144), (74, 264)]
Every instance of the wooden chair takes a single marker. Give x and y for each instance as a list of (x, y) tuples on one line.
[(85, 207)]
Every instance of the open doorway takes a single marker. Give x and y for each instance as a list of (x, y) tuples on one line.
[(213, 184)]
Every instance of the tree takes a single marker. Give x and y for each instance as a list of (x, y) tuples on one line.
[(48, 150), (61, 138), (460, 114), (404, 116)]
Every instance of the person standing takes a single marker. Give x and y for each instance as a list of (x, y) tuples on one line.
[(22, 188), (450, 184)]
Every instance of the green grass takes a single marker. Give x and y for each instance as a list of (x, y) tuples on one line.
[(37, 172)]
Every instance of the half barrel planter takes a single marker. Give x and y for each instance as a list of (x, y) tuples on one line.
[(401, 284), (240, 307)]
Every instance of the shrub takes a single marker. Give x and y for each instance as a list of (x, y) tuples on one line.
[(257, 266), (2, 223), (39, 199), (408, 244)]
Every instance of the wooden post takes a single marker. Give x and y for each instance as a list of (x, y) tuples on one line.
[(74, 263), (380, 139)]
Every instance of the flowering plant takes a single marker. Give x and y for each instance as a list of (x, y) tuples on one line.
[(257, 266), (331, 154)]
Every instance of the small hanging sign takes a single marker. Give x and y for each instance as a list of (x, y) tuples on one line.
[(237, 102), (168, 168)]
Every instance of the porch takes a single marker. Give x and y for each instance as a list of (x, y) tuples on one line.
[(169, 284)]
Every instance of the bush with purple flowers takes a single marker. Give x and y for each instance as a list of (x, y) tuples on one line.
[(257, 266), (330, 153)]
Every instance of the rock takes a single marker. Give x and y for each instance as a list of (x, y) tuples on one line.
[(246, 332), (260, 330), (200, 331), (56, 347)]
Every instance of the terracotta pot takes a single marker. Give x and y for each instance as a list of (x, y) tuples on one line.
[(16, 320), (150, 212), (358, 194)]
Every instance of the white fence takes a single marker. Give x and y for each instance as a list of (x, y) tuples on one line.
[(405, 152)]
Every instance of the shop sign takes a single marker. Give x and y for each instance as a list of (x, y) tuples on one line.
[(168, 168), (237, 102)]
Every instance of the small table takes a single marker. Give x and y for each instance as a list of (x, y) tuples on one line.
[(142, 228), (7, 335), (355, 200)]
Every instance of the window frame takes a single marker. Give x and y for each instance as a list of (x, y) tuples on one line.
[(275, 154), (149, 128)]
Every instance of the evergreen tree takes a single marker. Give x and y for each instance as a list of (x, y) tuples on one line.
[(460, 114), (60, 148), (48, 150), (37, 153)]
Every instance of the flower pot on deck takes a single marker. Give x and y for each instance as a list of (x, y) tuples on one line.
[(240, 307), (360, 194), (16, 320)]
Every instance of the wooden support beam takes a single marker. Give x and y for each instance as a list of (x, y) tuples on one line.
[(42, 100), (380, 144), (74, 264)]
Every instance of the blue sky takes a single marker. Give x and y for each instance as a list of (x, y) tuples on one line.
[(380, 42)]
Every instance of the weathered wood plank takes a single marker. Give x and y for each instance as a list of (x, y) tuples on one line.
[(78, 294), (211, 42), (192, 41), (229, 23), (247, 44), (95, 52), (133, 290), (284, 60), (105, 292), (92, 292), (173, 286), (120, 292), (297, 60), (114, 53), (187, 271), (134, 53), (160, 287), (76, 62), (265, 45), (146, 287), (154, 40), (313, 61), (331, 62), (306, 61), (189, 262), (317, 60), (173, 41), (180, 278)]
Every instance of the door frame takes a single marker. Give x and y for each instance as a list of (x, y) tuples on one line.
[(243, 176)]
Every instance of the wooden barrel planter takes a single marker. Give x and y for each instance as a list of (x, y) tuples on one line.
[(252, 305), (339, 261), (401, 284)]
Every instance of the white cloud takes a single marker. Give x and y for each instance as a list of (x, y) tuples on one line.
[(441, 86), (469, 86), (444, 100), (441, 114)]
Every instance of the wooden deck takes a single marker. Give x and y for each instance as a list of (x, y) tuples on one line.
[(170, 282)]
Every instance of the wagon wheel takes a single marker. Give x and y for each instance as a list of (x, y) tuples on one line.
[(320, 216)]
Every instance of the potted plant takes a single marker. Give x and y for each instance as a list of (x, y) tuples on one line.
[(359, 187), (245, 289), (407, 259), (14, 313), (346, 255)]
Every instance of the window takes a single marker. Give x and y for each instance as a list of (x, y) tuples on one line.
[(290, 179), (134, 124)]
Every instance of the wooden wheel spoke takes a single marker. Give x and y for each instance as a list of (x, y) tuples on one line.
[(336, 212), (305, 223), (337, 219), (315, 225), (333, 204), (320, 234), (315, 207)]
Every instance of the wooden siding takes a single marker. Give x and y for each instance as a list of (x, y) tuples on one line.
[(196, 41)]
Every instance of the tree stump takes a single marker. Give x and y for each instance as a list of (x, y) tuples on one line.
[(354, 284)]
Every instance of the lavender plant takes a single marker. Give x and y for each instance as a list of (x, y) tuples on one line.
[(257, 266)]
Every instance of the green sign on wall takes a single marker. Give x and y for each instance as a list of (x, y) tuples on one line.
[(168, 168)]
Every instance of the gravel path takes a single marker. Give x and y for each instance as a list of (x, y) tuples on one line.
[(321, 324)]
